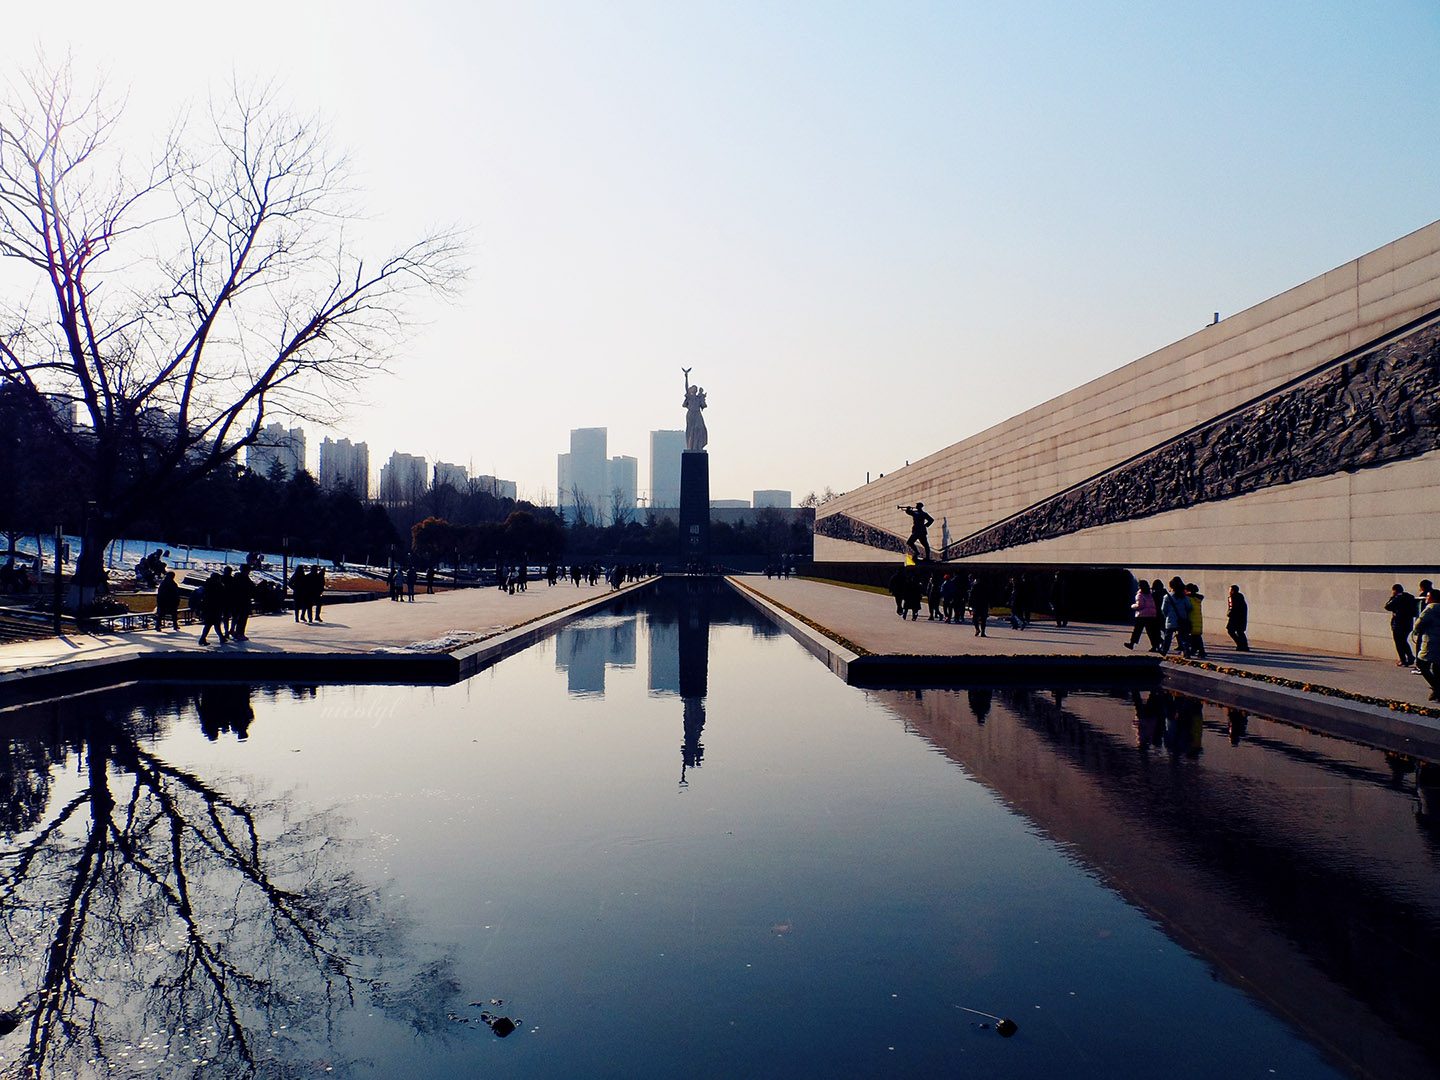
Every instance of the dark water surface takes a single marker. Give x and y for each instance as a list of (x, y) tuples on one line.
[(669, 842)]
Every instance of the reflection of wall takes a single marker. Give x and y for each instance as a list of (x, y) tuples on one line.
[(584, 652), (1290, 862)]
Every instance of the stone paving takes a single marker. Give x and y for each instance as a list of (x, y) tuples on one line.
[(868, 619), (447, 619)]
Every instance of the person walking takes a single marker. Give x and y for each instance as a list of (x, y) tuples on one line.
[(1145, 618), (1427, 651), (1197, 620), (1237, 618), (300, 586), (1059, 601), (1175, 611), (317, 591), (1403, 609), (897, 590), (410, 577), (914, 593), (212, 608), (932, 597), (949, 594), (1019, 615), (239, 591), (979, 599), (167, 601)]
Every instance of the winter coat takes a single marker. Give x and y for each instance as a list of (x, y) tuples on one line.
[(1177, 612), (1426, 627), (1144, 605)]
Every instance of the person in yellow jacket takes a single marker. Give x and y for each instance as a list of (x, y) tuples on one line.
[(1197, 621)]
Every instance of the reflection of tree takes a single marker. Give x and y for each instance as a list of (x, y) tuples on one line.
[(148, 900)]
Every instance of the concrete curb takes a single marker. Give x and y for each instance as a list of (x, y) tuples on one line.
[(1385, 729), (34, 685), (828, 651)]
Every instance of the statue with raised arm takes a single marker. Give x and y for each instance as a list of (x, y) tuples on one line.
[(695, 434)]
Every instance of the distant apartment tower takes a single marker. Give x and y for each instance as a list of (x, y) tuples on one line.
[(403, 479), (582, 476), (729, 504), (493, 485), (665, 450), (622, 480), (344, 464), (780, 500), (277, 445), (457, 476)]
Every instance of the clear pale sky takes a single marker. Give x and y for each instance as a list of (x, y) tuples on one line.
[(871, 229)]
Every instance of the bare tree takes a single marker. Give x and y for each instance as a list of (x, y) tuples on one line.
[(181, 304), (583, 510), (622, 512)]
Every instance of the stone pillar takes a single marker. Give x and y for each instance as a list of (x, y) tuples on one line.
[(695, 506)]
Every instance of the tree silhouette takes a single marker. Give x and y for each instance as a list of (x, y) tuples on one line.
[(145, 899)]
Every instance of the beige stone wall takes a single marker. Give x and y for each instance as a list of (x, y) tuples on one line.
[(1044, 450), (1316, 558)]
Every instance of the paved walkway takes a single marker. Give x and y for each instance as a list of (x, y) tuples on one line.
[(868, 619), (445, 620)]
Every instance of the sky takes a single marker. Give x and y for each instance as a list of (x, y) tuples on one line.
[(871, 230)]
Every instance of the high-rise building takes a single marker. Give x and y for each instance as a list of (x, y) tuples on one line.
[(344, 464), (583, 476), (457, 476), (771, 497), (493, 485), (275, 445), (623, 477), (403, 479), (665, 450)]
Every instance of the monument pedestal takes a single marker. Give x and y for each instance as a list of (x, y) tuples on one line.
[(695, 507)]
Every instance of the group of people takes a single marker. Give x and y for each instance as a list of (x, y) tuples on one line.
[(1175, 616), (224, 603), (1414, 624), (783, 567), (400, 582), (308, 585), (949, 596)]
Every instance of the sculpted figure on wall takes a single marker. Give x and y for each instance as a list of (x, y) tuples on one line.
[(1378, 406)]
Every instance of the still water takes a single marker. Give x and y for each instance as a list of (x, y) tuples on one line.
[(668, 842)]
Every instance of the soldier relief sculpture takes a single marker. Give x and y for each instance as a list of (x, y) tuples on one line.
[(696, 436)]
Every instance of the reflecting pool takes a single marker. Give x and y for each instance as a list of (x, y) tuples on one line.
[(667, 841)]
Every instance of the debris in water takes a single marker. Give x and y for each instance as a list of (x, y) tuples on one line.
[(1003, 1026), (500, 1025)]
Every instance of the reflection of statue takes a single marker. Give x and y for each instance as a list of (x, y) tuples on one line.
[(694, 644), (695, 434)]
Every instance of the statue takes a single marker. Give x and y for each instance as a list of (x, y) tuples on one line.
[(695, 434)]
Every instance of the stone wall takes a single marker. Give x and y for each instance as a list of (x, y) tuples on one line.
[(1299, 436)]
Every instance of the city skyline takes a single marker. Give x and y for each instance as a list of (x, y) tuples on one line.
[(814, 209)]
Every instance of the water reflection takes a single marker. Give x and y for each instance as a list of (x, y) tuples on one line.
[(150, 917), (1290, 861), (584, 650), (676, 616)]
